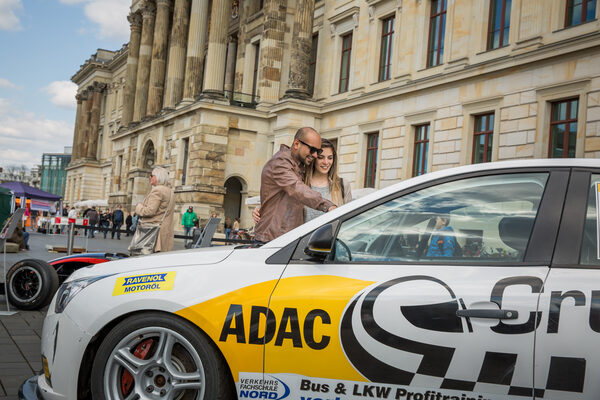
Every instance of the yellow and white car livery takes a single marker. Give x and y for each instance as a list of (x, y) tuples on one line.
[(375, 300)]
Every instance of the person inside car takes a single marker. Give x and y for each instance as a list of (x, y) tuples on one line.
[(443, 240)]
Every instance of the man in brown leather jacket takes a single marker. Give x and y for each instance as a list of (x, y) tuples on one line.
[(283, 193)]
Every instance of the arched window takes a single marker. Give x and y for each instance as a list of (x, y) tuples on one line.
[(148, 156)]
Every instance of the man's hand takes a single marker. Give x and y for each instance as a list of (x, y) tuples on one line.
[(331, 208), (256, 215)]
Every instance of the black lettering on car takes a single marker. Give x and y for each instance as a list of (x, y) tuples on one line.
[(255, 324), (535, 317), (556, 299), (309, 324), (288, 328), (235, 312), (290, 316)]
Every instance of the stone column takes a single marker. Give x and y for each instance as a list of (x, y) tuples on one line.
[(76, 133), (231, 57), (84, 123), (145, 59), (301, 50), (92, 143), (179, 32), (159, 57), (214, 75), (135, 21), (242, 43), (194, 65), (272, 45)]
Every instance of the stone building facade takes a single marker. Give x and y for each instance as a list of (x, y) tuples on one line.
[(209, 89)]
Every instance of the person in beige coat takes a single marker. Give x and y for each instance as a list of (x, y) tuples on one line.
[(160, 199)]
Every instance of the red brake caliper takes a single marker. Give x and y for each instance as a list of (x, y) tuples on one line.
[(141, 352)]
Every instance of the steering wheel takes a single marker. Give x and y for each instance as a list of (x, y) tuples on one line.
[(345, 246)]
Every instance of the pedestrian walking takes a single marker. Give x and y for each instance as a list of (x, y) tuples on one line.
[(117, 222), (134, 222), (93, 220), (128, 223), (188, 220), (228, 227)]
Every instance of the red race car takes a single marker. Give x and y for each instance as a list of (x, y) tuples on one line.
[(31, 283)]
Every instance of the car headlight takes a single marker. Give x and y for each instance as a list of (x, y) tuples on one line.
[(69, 290)]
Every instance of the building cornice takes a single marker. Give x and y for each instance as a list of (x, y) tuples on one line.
[(561, 49), (94, 64), (166, 117)]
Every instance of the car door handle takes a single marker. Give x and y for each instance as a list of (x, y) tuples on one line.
[(495, 314)]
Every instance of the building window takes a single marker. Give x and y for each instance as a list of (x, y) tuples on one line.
[(437, 26), (345, 62), (579, 11), (256, 64), (385, 58), (563, 129), (186, 149), (421, 149), (482, 138), (312, 66), (334, 142), (371, 164), (499, 24)]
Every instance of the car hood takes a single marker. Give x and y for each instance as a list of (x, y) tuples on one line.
[(204, 256)]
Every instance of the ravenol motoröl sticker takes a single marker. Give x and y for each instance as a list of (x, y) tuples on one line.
[(144, 283)]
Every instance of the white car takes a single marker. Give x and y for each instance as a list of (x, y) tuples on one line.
[(480, 282)]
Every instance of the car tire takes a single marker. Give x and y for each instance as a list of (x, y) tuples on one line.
[(31, 284), (153, 354)]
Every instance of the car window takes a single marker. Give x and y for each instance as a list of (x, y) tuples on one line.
[(482, 219), (589, 247)]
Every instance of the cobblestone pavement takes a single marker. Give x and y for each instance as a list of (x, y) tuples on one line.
[(19, 350), (20, 333)]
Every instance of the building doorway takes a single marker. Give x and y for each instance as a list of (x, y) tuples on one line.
[(232, 204)]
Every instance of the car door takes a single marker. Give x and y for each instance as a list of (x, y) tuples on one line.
[(567, 362), (388, 316)]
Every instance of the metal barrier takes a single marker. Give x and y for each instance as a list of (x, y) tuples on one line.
[(72, 227)]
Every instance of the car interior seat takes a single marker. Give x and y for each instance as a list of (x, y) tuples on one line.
[(515, 232)]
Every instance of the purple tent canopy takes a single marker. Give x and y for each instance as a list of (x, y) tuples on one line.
[(22, 190)]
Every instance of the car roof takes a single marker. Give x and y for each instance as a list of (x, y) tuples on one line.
[(449, 172)]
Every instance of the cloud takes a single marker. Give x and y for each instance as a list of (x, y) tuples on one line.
[(6, 84), (62, 94), (9, 21), (109, 16), (26, 136)]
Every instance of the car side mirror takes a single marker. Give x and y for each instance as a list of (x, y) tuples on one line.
[(320, 242)]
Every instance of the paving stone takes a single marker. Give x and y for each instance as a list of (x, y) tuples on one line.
[(24, 339), (21, 332), (8, 369)]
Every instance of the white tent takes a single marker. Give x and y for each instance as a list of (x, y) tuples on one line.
[(91, 203)]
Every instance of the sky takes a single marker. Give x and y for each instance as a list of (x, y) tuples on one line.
[(42, 45)]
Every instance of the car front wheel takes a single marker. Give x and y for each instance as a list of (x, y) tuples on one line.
[(158, 356)]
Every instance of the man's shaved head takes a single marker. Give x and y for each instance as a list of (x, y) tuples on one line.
[(303, 132)]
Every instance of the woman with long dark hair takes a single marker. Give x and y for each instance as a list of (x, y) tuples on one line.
[(322, 176)]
